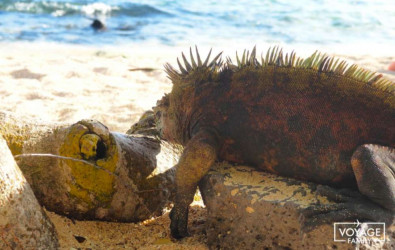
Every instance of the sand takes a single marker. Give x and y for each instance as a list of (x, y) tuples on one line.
[(150, 234), (114, 85)]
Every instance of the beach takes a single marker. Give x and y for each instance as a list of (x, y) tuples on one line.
[(66, 83), (114, 85)]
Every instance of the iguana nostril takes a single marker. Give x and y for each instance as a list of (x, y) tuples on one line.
[(89, 145)]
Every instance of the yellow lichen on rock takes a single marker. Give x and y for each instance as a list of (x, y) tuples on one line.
[(88, 145), (89, 184), (14, 136)]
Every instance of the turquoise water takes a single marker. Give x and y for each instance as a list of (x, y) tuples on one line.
[(195, 22)]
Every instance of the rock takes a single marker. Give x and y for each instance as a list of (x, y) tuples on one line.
[(249, 209), (84, 171), (98, 25), (23, 223)]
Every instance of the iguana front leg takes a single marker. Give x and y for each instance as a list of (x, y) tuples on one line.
[(199, 155)]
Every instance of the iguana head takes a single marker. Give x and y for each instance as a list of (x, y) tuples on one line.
[(162, 119), (173, 111), (172, 115)]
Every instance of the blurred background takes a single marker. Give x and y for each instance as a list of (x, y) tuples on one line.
[(354, 23)]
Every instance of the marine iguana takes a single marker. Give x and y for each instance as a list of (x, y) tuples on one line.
[(315, 119)]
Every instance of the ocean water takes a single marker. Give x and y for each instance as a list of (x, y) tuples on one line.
[(322, 22)]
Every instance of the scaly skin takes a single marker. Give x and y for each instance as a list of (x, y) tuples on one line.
[(303, 119)]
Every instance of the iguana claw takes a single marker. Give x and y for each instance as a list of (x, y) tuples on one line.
[(179, 222)]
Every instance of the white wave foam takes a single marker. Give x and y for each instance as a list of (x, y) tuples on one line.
[(58, 13), (23, 7), (97, 9)]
